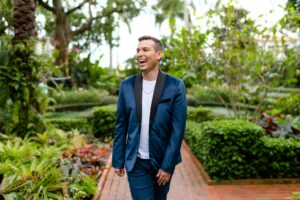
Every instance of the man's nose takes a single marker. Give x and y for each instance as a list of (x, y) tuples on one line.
[(138, 54)]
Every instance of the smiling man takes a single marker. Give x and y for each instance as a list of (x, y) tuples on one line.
[(151, 117)]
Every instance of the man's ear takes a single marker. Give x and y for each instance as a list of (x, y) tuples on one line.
[(160, 55)]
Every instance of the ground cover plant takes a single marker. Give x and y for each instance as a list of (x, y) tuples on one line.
[(52, 165)]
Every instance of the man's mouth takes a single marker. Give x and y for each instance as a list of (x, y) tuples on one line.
[(142, 61)]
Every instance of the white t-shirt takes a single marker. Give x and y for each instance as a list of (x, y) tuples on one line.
[(148, 90)]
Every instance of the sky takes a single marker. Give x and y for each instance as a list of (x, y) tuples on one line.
[(144, 24)]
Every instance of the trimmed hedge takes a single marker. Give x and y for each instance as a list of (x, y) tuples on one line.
[(103, 121), (82, 99), (283, 157), (198, 114), (68, 124), (234, 149)]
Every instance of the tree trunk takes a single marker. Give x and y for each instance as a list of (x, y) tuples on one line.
[(23, 19), (62, 36)]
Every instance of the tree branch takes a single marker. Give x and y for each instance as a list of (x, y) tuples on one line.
[(46, 6), (88, 24), (76, 8)]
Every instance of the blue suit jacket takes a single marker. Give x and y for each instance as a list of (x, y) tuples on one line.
[(167, 123)]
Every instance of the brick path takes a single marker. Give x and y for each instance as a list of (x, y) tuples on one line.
[(189, 184)]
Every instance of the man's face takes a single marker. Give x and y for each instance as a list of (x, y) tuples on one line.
[(147, 57)]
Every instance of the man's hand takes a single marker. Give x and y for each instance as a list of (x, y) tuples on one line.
[(120, 172), (162, 177)]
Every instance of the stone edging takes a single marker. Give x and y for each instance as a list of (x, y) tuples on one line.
[(209, 181), (103, 178)]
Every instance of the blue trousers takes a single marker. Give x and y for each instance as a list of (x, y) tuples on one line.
[(143, 182)]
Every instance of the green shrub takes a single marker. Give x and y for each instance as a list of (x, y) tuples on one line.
[(289, 105), (228, 149), (283, 157), (198, 114), (68, 124), (103, 121)]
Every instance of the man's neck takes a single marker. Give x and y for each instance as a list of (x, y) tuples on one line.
[(151, 75)]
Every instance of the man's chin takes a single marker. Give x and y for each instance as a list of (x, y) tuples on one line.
[(143, 69)]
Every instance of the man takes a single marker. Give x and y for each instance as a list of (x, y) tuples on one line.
[(151, 117)]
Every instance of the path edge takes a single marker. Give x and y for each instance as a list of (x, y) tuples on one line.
[(103, 178)]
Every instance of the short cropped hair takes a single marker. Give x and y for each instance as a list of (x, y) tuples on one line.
[(158, 45)]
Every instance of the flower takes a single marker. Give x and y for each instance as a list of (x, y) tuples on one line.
[(55, 43)]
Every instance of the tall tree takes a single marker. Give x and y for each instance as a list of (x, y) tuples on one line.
[(86, 22)]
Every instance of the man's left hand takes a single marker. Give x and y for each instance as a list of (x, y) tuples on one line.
[(162, 177)]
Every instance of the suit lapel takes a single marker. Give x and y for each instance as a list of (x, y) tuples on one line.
[(138, 87), (157, 92)]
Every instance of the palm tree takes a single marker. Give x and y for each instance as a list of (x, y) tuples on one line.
[(172, 9), (24, 19)]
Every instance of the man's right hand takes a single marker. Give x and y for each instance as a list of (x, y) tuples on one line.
[(120, 172)]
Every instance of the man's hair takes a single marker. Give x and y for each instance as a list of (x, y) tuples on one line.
[(158, 45)]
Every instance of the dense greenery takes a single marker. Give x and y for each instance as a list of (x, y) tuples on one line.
[(35, 168), (23, 100)]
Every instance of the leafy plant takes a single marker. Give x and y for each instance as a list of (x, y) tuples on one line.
[(90, 158), (289, 105), (276, 126)]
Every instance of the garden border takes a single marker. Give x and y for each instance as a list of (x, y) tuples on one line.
[(209, 181), (103, 178)]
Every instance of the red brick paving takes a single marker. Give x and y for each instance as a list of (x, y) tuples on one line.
[(189, 184)]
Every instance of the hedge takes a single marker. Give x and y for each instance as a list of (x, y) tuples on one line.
[(82, 99), (198, 114), (103, 121), (68, 124), (235, 149)]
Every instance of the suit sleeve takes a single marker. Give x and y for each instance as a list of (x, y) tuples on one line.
[(178, 127), (119, 145)]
